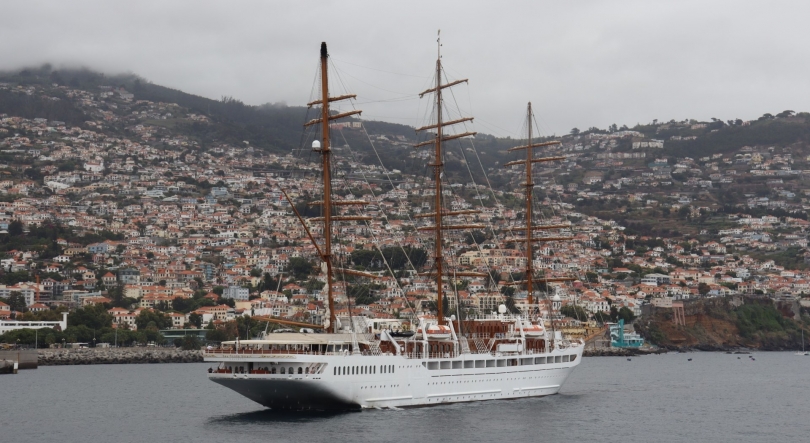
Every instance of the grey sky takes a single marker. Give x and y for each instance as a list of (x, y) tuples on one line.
[(581, 63)]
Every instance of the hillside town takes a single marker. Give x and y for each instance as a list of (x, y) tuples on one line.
[(131, 211)]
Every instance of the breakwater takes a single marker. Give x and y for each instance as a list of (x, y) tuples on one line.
[(106, 356), (621, 352)]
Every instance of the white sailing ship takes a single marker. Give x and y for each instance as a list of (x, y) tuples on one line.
[(499, 355)]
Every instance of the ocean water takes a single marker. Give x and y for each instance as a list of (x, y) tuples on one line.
[(713, 398)]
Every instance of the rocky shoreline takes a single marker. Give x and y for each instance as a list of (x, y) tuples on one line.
[(108, 356)]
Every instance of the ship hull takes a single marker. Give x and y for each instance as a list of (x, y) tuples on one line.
[(288, 395), (357, 382)]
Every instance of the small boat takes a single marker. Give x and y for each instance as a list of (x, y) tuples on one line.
[(401, 334), (440, 332), (803, 352), (534, 330)]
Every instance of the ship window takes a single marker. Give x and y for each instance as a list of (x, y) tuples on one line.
[(300, 370), (565, 358), (573, 357), (375, 370), (334, 371), (283, 369)]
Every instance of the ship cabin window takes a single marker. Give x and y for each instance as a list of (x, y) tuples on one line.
[(565, 358), (480, 364), (573, 357), (526, 361), (300, 370), (272, 370), (392, 368), (540, 360), (558, 359), (283, 370), (374, 369)]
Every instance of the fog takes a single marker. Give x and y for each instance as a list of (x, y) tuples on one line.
[(582, 64)]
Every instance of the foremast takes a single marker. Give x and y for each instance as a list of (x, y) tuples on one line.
[(530, 239), (438, 168), (325, 149)]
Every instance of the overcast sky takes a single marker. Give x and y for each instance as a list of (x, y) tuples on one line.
[(581, 63)]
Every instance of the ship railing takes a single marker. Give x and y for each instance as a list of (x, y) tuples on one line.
[(264, 352), (214, 352)]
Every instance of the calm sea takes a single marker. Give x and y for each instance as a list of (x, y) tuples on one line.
[(713, 398)]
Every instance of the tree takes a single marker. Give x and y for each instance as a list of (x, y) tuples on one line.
[(92, 317), (218, 335), (703, 288), (195, 319), (16, 301), (626, 314), (181, 304), (190, 343), (574, 311), (300, 267), (15, 228), (155, 319), (574, 131)]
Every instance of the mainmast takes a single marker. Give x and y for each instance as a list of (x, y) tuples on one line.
[(530, 228), (438, 168), (325, 149)]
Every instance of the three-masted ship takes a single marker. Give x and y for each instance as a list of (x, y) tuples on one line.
[(499, 355)]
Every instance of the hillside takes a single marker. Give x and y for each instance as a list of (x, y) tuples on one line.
[(727, 324)]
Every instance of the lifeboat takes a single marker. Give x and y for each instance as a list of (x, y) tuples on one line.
[(534, 331), (439, 332)]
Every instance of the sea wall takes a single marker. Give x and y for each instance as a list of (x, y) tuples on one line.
[(27, 358), (106, 356)]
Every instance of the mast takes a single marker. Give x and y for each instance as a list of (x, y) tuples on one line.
[(438, 256), (529, 189), (438, 167), (325, 149), (530, 239), (326, 163)]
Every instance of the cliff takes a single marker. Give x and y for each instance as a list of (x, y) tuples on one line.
[(727, 323)]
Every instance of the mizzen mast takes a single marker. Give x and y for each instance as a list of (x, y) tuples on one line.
[(530, 228), (438, 168), (325, 149)]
